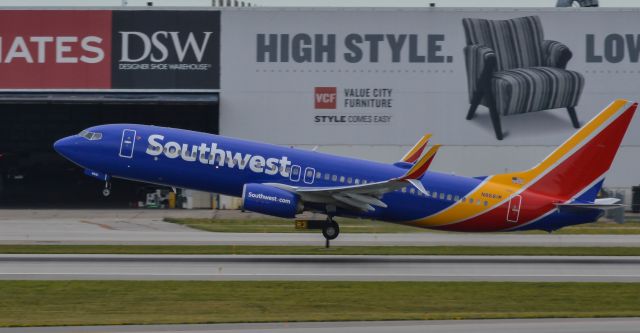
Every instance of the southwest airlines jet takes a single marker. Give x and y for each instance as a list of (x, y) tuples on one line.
[(281, 181)]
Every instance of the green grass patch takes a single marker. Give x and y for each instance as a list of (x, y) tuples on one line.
[(318, 250), (41, 303), (287, 225), (603, 227)]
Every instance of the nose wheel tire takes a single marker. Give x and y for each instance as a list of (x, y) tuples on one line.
[(107, 189), (331, 230)]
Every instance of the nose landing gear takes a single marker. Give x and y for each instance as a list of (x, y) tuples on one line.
[(106, 191)]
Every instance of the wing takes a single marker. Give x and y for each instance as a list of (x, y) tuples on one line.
[(364, 197), (412, 155)]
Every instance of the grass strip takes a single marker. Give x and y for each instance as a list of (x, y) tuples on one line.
[(42, 303), (287, 225), (312, 250), (367, 226)]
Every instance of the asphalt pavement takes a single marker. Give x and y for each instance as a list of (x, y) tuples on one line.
[(140, 226), (598, 325), (319, 268)]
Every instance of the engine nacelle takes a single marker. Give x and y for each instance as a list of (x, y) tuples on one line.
[(270, 200)]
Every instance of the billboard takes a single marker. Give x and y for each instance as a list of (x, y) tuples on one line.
[(103, 49), (55, 49), (166, 49), (386, 76)]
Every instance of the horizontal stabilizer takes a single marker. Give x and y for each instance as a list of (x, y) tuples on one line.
[(600, 204)]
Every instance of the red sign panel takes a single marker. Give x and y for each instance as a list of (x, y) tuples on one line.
[(325, 97), (59, 49)]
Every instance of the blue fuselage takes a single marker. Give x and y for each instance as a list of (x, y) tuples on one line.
[(219, 164)]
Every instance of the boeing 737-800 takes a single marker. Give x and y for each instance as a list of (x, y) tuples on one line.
[(281, 181)]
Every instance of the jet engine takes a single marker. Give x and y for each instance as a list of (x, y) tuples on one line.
[(270, 200)]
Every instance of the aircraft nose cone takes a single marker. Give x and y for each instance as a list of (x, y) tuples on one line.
[(63, 146)]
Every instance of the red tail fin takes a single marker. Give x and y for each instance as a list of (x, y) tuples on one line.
[(583, 158)]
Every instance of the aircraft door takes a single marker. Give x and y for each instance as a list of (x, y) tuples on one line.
[(309, 175), (127, 143), (514, 209), (295, 173)]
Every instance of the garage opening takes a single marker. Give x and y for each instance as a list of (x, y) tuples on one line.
[(32, 175)]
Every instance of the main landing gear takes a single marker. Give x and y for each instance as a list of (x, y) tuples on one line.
[(330, 230)]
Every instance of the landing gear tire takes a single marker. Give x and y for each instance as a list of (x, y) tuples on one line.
[(331, 230), (107, 189)]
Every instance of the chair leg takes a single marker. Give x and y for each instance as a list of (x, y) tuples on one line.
[(472, 111), (574, 117), (495, 119), (475, 101)]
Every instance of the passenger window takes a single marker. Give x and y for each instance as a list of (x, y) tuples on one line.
[(296, 171), (334, 178), (456, 198), (342, 179), (404, 190), (309, 173), (470, 200), (327, 176), (441, 196), (413, 190), (464, 199), (486, 203), (449, 197), (364, 181), (349, 180), (318, 175), (478, 202), (435, 195), (357, 181)]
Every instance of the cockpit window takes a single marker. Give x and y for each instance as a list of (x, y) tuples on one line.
[(90, 135)]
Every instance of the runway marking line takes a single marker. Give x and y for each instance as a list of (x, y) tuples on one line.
[(330, 275)]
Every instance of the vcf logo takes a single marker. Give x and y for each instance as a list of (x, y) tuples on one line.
[(161, 44), (325, 97)]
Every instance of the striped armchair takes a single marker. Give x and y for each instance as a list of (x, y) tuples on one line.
[(511, 69)]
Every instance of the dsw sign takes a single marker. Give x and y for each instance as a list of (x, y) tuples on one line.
[(162, 46)]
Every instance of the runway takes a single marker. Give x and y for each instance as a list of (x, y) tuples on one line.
[(599, 325), (319, 268), (145, 227)]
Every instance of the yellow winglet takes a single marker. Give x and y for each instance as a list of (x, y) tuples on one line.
[(422, 165), (415, 152)]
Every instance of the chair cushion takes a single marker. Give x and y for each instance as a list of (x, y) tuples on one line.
[(517, 42), (534, 89)]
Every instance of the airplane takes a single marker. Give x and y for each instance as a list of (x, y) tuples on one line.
[(283, 181)]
